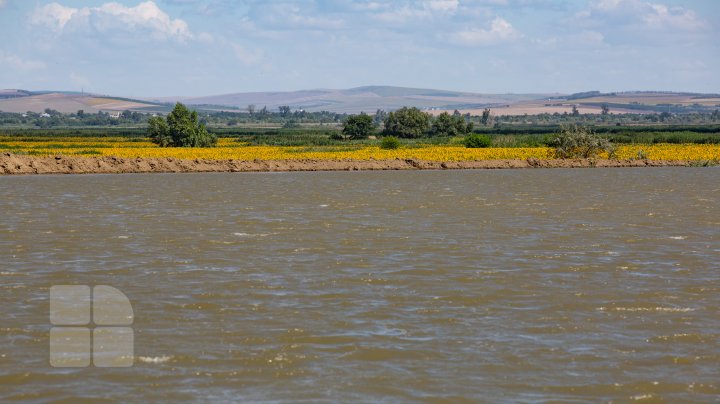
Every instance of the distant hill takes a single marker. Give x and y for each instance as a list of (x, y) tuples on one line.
[(355, 100), (5, 94), (591, 102), (37, 101), (369, 99)]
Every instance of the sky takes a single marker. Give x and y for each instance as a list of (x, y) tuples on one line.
[(136, 48)]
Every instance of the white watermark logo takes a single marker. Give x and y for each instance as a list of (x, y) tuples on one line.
[(90, 325)]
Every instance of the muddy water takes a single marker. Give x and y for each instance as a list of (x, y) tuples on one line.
[(596, 284)]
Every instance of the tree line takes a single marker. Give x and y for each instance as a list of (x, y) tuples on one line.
[(408, 123), (284, 116)]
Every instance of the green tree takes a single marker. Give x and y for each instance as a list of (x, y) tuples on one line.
[(485, 117), (450, 125), (180, 129), (443, 125), (575, 111), (159, 132), (605, 109), (407, 123), (284, 110), (580, 142), (358, 126), (476, 141), (390, 143), (264, 112), (379, 117), (463, 126)]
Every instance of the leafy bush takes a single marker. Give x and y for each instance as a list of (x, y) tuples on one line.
[(580, 142), (450, 125), (476, 141), (336, 136), (180, 129), (390, 142), (358, 126), (407, 123), (291, 124)]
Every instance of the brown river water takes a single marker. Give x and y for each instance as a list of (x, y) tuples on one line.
[(510, 285)]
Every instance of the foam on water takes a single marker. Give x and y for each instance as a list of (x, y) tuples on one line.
[(154, 359)]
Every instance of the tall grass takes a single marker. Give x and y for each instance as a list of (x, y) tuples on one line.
[(665, 137), (322, 136)]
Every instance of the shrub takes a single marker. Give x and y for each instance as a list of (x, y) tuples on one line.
[(476, 141), (291, 124), (390, 143), (407, 123), (180, 128), (450, 125), (358, 126), (580, 142), (336, 136)]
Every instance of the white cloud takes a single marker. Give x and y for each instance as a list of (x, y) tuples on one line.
[(15, 62), (246, 56), (662, 16), (109, 17), (54, 16), (500, 31), (283, 17), (401, 15), (296, 20), (446, 6), (371, 6), (608, 4), (418, 11), (643, 13)]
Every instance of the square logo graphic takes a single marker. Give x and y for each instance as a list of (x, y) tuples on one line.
[(69, 347), (90, 326)]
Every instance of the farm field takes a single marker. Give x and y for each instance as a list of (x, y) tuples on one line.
[(233, 149), (69, 103), (622, 103)]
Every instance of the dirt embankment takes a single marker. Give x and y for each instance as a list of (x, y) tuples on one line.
[(22, 164)]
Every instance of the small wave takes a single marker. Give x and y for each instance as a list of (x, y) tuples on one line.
[(154, 359), (684, 337), (678, 237), (659, 309), (250, 235)]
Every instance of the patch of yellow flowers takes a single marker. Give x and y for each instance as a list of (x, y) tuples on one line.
[(232, 149)]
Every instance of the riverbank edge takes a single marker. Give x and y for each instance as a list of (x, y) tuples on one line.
[(23, 164)]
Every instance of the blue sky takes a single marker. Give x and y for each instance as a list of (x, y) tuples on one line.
[(184, 47)]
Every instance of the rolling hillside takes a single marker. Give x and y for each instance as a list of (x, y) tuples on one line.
[(20, 101), (355, 100), (371, 98)]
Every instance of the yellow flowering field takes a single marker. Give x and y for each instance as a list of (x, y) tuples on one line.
[(671, 151), (232, 149)]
